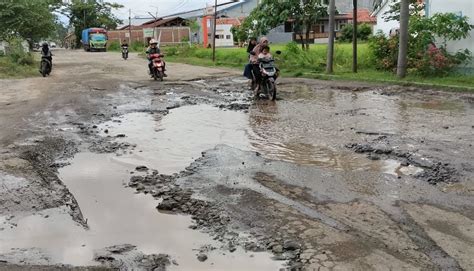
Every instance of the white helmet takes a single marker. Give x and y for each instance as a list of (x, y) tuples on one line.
[(153, 41)]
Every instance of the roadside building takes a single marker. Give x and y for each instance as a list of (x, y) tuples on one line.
[(319, 30), (167, 31)]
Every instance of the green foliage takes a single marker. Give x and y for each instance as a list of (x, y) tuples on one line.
[(271, 13), (16, 62), (137, 46), (114, 46), (393, 14), (90, 13), (30, 20), (363, 32), (424, 57)]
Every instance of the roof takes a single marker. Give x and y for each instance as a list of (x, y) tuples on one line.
[(173, 21), (363, 16), (232, 21)]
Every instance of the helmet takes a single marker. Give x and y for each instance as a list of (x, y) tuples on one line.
[(45, 44), (153, 41)]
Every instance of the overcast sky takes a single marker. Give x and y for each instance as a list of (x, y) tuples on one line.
[(141, 8)]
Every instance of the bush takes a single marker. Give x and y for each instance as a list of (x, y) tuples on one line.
[(137, 46), (363, 32), (26, 59), (424, 57), (114, 46)]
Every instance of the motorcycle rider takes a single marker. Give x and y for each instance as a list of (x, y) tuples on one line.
[(46, 53), (154, 49), (124, 46), (254, 60)]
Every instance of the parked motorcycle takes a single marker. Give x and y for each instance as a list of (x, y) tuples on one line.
[(125, 52), (157, 66), (46, 66)]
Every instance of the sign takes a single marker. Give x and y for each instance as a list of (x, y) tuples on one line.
[(209, 11), (148, 32), (127, 35)]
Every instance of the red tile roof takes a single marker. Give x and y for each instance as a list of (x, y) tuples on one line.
[(232, 21), (363, 16)]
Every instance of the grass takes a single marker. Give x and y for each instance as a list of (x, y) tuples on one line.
[(10, 69), (294, 62)]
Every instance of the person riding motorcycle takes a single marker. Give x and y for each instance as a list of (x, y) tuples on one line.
[(154, 49), (46, 53), (254, 60)]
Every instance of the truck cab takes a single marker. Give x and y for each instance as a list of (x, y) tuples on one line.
[(94, 39)]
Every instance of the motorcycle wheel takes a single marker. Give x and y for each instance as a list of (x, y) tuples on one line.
[(271, 90), (44, 68), (155, 74), (160, 75)]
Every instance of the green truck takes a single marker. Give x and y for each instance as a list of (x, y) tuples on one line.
[(94, 39)]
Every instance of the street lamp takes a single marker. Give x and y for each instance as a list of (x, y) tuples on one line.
[(214, 27)]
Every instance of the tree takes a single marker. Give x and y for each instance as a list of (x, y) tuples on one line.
[(330, 51), (403, 45), (270, 13), (26, 19), (393, 14), (90, 13)]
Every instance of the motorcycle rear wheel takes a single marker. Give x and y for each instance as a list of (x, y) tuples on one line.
[(160, 75), (44, 68), (271, 90)]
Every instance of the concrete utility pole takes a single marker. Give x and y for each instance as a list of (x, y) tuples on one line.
[(129, 27), (332, 21), (354, 37), (214, 34), (403, 46), (214, 27)]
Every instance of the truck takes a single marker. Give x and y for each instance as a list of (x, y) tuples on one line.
[(94, 39)]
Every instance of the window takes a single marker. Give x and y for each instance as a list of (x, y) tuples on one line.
[(227, 37), (288, 27)]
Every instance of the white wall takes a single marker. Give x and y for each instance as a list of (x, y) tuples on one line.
[(384, 26), (461, 7), (228, 38)]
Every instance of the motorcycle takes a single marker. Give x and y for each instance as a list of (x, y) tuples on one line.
[(45, 66), (157, 66), (125, 52), (269, 73)]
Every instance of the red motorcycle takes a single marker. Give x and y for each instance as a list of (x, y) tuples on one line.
[(158, 66)]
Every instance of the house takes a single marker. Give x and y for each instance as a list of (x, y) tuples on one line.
[(319, 31), (224, 36), (389, 27), (173, 30), (462, 8)]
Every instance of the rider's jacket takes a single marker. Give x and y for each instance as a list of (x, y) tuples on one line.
[(152, 50)]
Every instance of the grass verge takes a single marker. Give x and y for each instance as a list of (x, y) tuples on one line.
[(294, 62), (10, 69)]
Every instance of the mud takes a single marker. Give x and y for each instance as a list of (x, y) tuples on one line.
[(116, 171)]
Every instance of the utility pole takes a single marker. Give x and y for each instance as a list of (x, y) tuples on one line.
[(403, 46), (214, 34), (354, 37), (129, 27), (332, 21)]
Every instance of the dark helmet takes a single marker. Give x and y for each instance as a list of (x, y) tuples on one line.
[(45, 44)]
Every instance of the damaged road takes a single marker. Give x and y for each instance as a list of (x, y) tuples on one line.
[(104, 168)]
